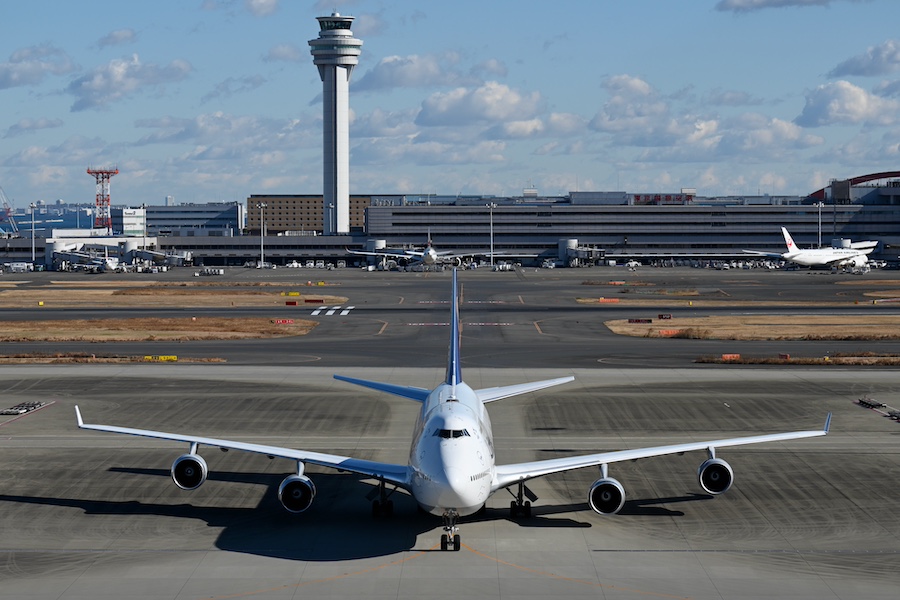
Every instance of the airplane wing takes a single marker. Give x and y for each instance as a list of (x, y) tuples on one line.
[(395, 474), (769, 254), (404, 391), (388, 253), (507, 475), (498, 393)]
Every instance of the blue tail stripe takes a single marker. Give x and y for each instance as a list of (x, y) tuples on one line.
[(454, 370)]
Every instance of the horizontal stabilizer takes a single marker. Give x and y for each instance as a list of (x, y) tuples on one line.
[(404, 391), (507, 391)]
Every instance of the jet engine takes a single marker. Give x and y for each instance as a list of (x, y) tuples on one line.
[(457, 261), (859, 261), (715, 476), (607, 496), (296, 493), (189, 471)]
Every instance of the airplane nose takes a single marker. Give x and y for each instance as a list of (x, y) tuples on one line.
[(462, 492)]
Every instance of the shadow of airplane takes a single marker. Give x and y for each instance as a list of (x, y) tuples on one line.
[(338, 526)]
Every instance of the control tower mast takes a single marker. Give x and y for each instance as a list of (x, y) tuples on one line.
[(102, 217), (335, 52)]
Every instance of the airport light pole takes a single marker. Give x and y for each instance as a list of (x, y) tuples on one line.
[(262, 234), (32, 205), (819, 205), (491, 208)]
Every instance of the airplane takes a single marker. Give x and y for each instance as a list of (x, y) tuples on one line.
[(428, 256), (855, 256), (452, 469)]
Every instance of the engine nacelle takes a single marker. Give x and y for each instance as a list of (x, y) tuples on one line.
[(859, 261), (296, 493), (715, 476), (457, 261), (607, 496), (189, 471)]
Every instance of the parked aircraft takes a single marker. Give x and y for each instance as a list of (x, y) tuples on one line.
[(854, 256), (451, 470), (428, 256)]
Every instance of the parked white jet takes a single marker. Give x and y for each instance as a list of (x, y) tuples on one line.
[(451, 470), (427, 256), (855, 256)]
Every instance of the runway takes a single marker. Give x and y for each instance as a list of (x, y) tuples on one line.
[(88, 515), (92, 515)]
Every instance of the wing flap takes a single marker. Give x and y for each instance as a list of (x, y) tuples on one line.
[(391, 473)]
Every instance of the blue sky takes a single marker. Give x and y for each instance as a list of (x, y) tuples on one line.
[(214, 100)]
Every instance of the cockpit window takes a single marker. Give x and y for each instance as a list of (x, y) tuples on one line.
[(451, 433)]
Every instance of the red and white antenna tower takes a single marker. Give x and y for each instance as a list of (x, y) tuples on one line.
[(102, 216)]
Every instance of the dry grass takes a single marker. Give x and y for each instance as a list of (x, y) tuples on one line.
[(151, 329), (140, 294), (767, 327)]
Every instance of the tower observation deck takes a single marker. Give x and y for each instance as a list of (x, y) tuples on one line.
[(335, 52)]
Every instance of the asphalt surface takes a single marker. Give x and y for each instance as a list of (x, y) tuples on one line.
[(92, 515)]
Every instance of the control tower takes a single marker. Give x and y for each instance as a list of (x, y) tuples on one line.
[(335, 52)]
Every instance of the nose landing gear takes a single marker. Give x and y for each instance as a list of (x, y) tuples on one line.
[(450, 538)]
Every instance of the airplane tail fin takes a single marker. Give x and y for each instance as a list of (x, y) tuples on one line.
[(788, 240), (454, 369)]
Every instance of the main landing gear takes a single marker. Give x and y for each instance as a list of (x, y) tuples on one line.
[(382, 507), (450, 537), (520, 507)]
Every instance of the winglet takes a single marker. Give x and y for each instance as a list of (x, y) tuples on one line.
[(78, 417), (827, 423)]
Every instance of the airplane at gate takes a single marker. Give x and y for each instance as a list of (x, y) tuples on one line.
[(452, 470), (856, 255)]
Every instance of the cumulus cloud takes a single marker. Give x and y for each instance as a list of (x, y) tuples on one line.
[(234, 85), (121, 78), (117, 38), (876, 60), (29, 125), (29, 66), (733, 98), (752, 5), (222, 135), (412, 71), (380, 123), (490, 102), (635, 113), (285, 53), (842, 103), (428, 153), (261, 8)]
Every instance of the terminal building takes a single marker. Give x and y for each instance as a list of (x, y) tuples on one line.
[(587, 226)]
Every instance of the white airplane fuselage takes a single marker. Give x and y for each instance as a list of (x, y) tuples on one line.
[(452, 452)]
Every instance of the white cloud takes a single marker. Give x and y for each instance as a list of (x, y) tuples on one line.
[(117, 38), (720, 97), (412, 71), (380, 123), (29, 66), (877, 60), (490, 102), (232, 86), (121, 78), (261, 8), (286, 53), (29, 125), (842, 103), (751, 5), (427, 153)]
